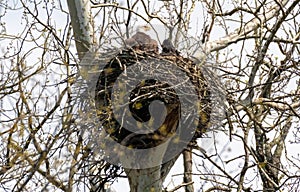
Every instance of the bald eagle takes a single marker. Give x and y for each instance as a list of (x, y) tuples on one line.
[(140, 47), (141, 41), (168, 48)]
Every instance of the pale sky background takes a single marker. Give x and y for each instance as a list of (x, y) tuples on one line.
[(225, 148)]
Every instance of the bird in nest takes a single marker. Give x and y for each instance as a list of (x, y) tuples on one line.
[(141, 41), (142, 47)]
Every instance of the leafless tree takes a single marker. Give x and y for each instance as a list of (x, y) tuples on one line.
[(250, 48)]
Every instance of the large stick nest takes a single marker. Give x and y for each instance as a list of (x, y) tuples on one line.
[(144, 93)]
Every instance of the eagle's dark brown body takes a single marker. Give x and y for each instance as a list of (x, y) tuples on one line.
[(139, 101), (143, 42)]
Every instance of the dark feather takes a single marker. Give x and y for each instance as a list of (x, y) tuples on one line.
[(142, 42), (168, 48)]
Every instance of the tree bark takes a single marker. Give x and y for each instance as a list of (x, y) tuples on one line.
[(188, 163), (238, 34), (82, 25), (144, 179)]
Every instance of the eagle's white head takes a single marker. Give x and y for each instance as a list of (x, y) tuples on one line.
[(143, 28), (142, 41)]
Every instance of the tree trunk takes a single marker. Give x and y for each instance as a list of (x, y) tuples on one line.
[(188, 163), (144, 179), (82, 25)]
